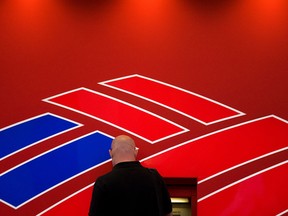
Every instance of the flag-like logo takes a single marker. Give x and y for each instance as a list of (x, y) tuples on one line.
[(49, 162)]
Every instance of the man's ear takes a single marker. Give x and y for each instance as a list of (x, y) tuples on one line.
[(110, 153), (136, 151)]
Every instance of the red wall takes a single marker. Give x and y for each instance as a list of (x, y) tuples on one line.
[(233, 52)]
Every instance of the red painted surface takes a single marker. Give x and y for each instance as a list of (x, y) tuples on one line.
[(233, 52)]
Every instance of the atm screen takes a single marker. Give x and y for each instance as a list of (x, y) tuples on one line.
[(181, 206), (183, 193)]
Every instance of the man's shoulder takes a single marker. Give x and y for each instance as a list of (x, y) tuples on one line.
[(153, 171), (105, 177)]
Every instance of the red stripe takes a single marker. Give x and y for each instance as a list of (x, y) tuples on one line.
[(216, 152), (187, 103), (263, 194), (118, 114), (75, 205)]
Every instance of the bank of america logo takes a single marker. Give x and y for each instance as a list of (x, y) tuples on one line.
[(24, 181)]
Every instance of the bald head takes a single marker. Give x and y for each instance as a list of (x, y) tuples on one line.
[(123, 149)]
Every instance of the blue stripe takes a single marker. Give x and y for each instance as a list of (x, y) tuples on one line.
[(24, 134), (42, 173)]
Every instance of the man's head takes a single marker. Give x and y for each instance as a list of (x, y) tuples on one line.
[(123, 149)]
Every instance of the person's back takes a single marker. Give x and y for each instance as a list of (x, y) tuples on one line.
[(129, 189)]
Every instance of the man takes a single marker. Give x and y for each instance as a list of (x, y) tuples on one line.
[(129, 189)]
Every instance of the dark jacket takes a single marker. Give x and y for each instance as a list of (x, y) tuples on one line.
[(130, 190)]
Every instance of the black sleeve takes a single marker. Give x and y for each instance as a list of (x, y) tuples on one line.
[(97, 205), (167, 205), (164, 200)]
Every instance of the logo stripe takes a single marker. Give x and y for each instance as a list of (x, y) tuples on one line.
[(118, 113), (40, 174), (267, 135), (263, 193), (31, 131), (189, 104), (71, 203)]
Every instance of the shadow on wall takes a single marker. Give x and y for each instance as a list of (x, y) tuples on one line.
[(206, 5), (89, 4), (211, 4)]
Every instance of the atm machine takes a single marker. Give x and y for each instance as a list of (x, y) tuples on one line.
[(183, 192)]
